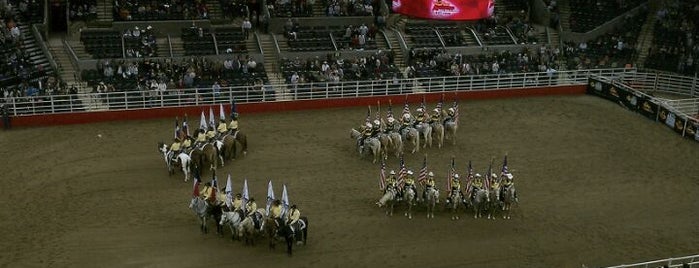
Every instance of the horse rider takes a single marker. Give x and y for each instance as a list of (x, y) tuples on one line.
[(238, 202), (450, 115), (233, 125), (275, 211), (175, 149), (420, 117), (201, 137), (509, 183), (391, 183), (410, 182), (187, 144), (455, 186), (376, 128), (210, 134), (367, 131), (436, 116), (390, 125), (406, 121), (477, 183), (292, 219), (251, 209), (429, 184), (222, 128)]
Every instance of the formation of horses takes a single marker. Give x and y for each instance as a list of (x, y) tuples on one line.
[(489, 204)]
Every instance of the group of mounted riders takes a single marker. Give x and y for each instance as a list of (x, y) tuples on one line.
[(184, 143)]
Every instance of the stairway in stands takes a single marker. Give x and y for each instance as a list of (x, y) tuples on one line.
[(104, 11), (645, 39), (215, 11), (30, 45), (70, 75), (564, 9), (271, 63), (319, 9), (177, 46), (398, 59)]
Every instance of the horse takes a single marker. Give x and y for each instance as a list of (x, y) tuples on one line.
[(389, 198), (247, 229), (228, 149), (409, 195), (241, 139), (494, 203), (425, 131), (386, 143), (410, 135), (182, 159), (204, 210), (431, 198), (206, 154), (450, 127), (291, 234), (397, 143), (455, 199), (480, 202), (219, 151), (508, 198), (438, 131), (232, 219), (371, 145)]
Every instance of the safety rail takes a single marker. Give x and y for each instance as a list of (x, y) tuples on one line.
[(689, 107), (691, 261), (664, 83), (284, 92)]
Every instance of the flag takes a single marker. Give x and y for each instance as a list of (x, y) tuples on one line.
[(234, 110), (382, 176), (229, 192), (177, 128), (423, 105), (422, 177), (221, 113), (214, 189), (195, 187), (389, 112), (406, 107), (402, 173), (451, 173), (378, 111), (202, 121), (505, 169), (185, 125), (245, 194), (368, 114), (486, 183), (456, 110), (285, 201), (440, 103), (212, 120), (469, 179), (270, 196)]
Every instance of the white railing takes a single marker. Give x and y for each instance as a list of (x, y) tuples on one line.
[(664, 83), (692, 261), (689, 107), (205, 96)]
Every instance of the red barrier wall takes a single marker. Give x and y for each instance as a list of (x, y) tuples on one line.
[(194, 111)]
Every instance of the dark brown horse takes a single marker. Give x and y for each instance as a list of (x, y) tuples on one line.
[(241, 139), (207, 154)]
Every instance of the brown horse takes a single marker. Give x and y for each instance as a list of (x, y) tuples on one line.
[(241, 139), (207, 154), (228, 146)]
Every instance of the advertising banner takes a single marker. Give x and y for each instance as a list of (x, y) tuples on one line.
[(648, 108), (445, 9)]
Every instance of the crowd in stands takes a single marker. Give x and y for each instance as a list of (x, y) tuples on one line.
[(588, 14), (140, 43), (82, 10), (165, 75), (160, 10), (239, 8), (674, 48), (291, 8), (335, 68), (304, 8)]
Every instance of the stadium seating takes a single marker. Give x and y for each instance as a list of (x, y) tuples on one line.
[(671, 50), (588, 14), (144, 10), (198, 41), (102, 43), (231, 38)]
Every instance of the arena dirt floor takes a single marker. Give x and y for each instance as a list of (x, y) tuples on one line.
[(598, 186)]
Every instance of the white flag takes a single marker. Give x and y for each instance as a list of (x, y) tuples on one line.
[(212, 119), (202, 121), (229, 192), (246, 197), (285, 201), (221, 113), (270, 196)]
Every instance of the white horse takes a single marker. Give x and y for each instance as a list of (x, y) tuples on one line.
[(200, 207), (397, 143), (455, 199), (438, 133), (183, 159), (371, 145), (232, 219), (388, 200), (480, 202), (220, 150), (450, 128), (410, 135), (409, 195), (508, 198), (425, 131), (431, 198), (494, 203)]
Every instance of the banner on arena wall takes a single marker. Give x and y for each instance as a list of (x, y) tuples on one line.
[(666, 117), (629, 98), (597, 87), (690, 131), (648, 108), (679, 124), (445, 9)]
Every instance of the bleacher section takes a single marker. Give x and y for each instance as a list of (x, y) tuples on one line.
[(671, 50), (198, 41), (421, 34), (230, 38), (311, 39), (587, 14), (102, 43), (144, 10)]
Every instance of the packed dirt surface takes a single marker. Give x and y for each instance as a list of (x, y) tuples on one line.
[(598, 185)]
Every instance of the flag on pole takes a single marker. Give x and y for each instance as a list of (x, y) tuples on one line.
[(212, 119), (229, 192), (195, 187), (389, 112), (456, 110), (423, 104), (505, 170), (406, 107), (185, 125), (368, 114), (214, 188), (440, 103), (378, 111), (469, 179), (486, 183), (402, 173), (270, 196), (382, 176), (422, 177), (234, 110), (202, 121), (246, 195), (450, 174), (285, 201), (177, 128), (221, 113)]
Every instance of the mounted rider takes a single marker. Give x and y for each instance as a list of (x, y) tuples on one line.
[(455, 187), (477, 183), (187, 143), (222, 128), (238, 202), (367, 131), (391, 182), (175, 149), (390, 124), (210, 134), (376, 128), (429, 184), (410, 183), (201, 138), (419, 117), (407, 120), (233, 125), (251, 209), (292, 219), (275, 211), (509, 182), (450, 115), (436, 116)]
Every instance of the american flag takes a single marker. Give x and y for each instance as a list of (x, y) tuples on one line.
[(505, 169), (451, 173), (389, 112), (486, 182), (382, 176), (423, 105), (440, 103), (214, 189), (422, 177), (185, 125), (195, 187), (402, 173), (456, 111), (406, 107), (212, 119), (368, 114), (469, 178), (234, 110), (177, 128)]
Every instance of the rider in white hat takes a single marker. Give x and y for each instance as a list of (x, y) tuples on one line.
[(450, 115), (410, 182), (428, 184), (420, 116), (477, 182), (509, 182), (390, 125), (391, 182), (455, 186), (436, 116)]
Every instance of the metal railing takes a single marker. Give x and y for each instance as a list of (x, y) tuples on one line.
[(692, 261), (285, 92)]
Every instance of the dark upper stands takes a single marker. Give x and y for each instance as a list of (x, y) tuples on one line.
[(231, 40), (102, 43), (198, 41), (160, 10), (588, 14), (674, 48), (84, 10)]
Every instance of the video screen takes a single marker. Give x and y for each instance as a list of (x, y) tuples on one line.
[(445, 9)]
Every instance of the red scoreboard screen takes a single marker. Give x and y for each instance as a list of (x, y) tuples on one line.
[(445, 9)]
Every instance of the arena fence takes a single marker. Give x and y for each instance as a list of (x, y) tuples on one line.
[(131, 100), (687, 261)]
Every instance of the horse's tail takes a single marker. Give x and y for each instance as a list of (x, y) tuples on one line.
[(243, 139)]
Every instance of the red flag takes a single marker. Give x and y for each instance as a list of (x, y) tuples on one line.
[(195, 190), (422, 177), (382, 177)]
